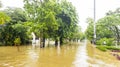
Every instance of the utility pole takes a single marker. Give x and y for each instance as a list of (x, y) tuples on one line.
[(94, 22)]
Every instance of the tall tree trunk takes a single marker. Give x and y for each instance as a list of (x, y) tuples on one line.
[(56, 42), (43, 41), (40, 42), (61, 40), (48, 42)]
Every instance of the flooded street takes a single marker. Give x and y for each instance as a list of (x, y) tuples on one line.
[(65, 56), (81, 56), (38, 57), (60, 33)]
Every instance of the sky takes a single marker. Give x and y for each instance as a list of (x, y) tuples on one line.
[(84, 8)]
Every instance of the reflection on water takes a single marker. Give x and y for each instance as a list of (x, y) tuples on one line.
[(38, 57), (81, 56)]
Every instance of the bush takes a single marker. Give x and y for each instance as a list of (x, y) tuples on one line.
[(17, 41), (1, 44), (109, 41)]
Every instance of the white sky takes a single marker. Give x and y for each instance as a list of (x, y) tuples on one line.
[(84, 8)]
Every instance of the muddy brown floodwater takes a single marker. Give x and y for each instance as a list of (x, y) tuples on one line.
[(38, 57)]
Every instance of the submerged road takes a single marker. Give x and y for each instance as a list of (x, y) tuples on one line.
[(81, 59), (81, 55), (65, 56)]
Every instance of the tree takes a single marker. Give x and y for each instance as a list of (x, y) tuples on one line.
[(101, 31), (112, 22), (42, 14), (17, 15), (115, 23), (17, 42), (4, 18), (67, 21), (108, 26), (21, 31), (55, 19), (89, 31), (6, 34), (14, 28)]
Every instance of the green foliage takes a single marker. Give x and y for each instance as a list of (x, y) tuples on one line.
[(106, 27), (17, 41), (53, 19), (21, 31), (82, 36), (102, 48), (78, 35), (9, 32), (109, 41), (6, 34), (67, 21), (42, 14), (48, 19), (105, 48), (89, 31), (112, 48), (14, 28), (4, 18), (17, 15), (112, 22)]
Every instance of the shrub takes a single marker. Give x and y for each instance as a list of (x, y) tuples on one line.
[(109, 41), (1, 44), (17, 41)]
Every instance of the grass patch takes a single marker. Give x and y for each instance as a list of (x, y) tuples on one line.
[(102, 48), (103, 55), (112, 48), (105, 48)]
